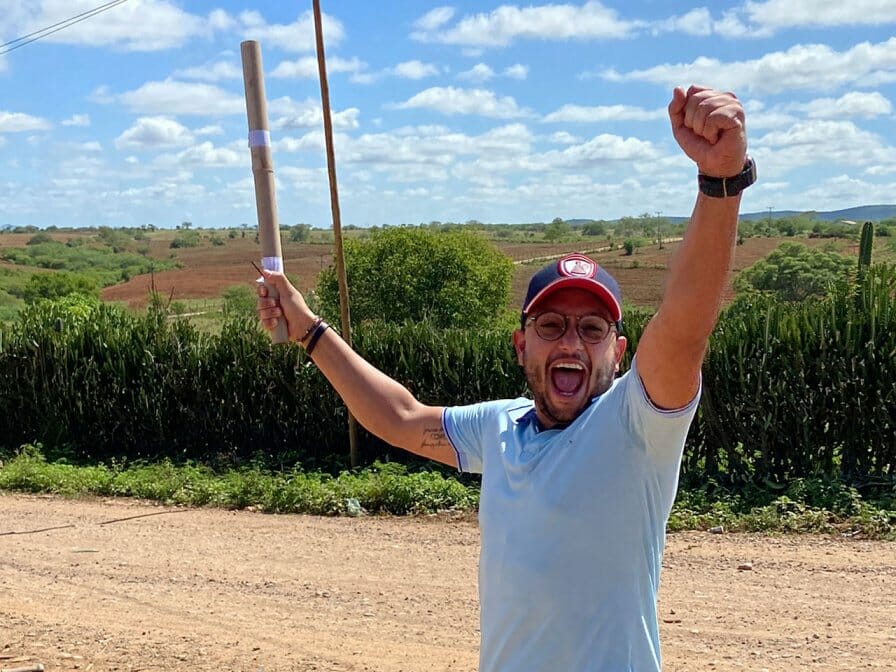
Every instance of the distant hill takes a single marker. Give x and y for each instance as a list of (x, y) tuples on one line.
[(861, 213)]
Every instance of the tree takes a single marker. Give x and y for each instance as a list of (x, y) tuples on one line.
[(300, 233), (794, 272), (595, 229), (409, 274), (557, 230)]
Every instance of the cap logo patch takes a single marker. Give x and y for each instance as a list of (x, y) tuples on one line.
[(578, 267)]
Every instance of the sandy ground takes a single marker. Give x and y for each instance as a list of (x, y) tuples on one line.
[(82, 589)]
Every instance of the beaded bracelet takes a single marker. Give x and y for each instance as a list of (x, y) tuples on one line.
[(321, 328), (313, 326)]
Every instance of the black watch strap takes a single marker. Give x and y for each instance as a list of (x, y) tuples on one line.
[(723, 187)]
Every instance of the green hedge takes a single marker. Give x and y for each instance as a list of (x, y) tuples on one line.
[(789, 391)]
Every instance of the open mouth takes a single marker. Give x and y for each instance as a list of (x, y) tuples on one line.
[(568, 378)]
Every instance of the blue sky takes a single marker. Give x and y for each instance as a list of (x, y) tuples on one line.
[(448, 112)]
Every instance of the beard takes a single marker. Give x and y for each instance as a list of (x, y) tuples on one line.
[(538, 380)]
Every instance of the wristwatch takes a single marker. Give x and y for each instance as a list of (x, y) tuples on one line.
[(723, 187)]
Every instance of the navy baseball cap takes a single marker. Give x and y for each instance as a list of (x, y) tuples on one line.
[(577, 271)]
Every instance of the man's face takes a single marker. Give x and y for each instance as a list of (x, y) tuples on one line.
[(565, 374)]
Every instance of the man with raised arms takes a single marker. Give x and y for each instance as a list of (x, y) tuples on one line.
[(578, 482)]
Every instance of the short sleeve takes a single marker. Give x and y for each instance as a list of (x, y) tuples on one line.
[(662, 431), (466, 427)]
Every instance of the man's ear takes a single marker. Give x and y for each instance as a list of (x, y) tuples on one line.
[(621, 345), (519, 344)]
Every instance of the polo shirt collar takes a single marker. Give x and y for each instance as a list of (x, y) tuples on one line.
[(525, 415)]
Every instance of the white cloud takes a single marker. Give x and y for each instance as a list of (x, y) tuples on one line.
[(450, 101), (297, 36), (162, 25), (434, 19), (18, 122), (306, 67), (564, 138), (481, 72), (602, 149), (209, 130), (507, 24), (814, 66), (854, 104), (833, 192), (581, 114), (731, 26), (154, 132), (77, 120), (754, 20), (696, 22), (415, 70), (881, 170), (777, 14), (435, 146), (207, 155), (839, 142), (220, 20), (770, 119), (101, 95), (173, 97), (211, 72), (287, 113), (517, 71), (92, 146), (311, 141), (478, 73)]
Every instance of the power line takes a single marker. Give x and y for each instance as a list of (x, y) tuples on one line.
[(76, 16), (19, 42)]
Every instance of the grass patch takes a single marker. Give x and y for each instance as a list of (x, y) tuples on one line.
[(827, 508), (382, 488), (807, 505)]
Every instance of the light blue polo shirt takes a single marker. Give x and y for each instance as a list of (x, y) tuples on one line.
[(572, 528)]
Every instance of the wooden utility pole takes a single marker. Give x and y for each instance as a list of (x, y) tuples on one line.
[(334, 207)]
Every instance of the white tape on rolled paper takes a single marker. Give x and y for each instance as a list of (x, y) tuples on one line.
[(259, 138), (272, 263)]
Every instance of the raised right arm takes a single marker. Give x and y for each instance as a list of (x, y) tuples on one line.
[(382, 405)]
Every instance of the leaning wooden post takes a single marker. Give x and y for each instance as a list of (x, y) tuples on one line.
[(262, 170), (334, 207)]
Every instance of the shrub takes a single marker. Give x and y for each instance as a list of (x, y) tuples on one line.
[(239, 302), (185, 238), (39, 238), (407, 274), (794, 272), (57, 285)]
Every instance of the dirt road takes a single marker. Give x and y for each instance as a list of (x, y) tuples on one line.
[(222, 590)]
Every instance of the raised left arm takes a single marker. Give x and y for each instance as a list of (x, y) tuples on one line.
[(709, 126)]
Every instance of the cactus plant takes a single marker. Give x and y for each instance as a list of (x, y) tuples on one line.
[(867, 240)]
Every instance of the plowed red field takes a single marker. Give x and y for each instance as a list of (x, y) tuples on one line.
[(207, 270)]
